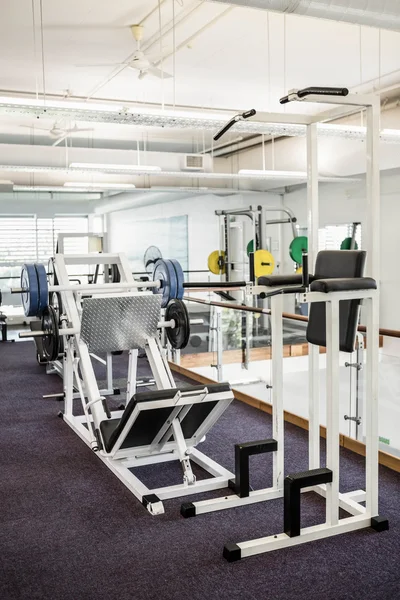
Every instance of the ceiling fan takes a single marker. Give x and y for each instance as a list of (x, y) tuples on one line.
[(60, 133), (140, 61)]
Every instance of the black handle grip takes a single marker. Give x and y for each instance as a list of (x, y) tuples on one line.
[(249, 113), (317, 91), (322, 91), (224, 129), (235, 119), (305, 274)]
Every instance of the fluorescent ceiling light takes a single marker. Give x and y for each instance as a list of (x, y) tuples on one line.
[(108, 167), (273, 174), (110, 186), (61, 104)]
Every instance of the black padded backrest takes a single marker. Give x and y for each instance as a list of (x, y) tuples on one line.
[(332, 264), (149, 422)]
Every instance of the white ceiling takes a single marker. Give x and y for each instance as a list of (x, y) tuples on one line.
[(227, 59)]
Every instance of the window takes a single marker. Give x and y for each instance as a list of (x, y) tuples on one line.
[(332, 236), (29, 239)]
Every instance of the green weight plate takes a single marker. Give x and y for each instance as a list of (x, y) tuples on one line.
[(346, 244), (250, 247), (296, 248), (178, 336)]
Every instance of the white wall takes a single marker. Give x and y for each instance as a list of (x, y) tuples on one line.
[(340, 204), (203, 236)]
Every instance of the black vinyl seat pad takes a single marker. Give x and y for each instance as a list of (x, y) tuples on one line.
[(147, 413)]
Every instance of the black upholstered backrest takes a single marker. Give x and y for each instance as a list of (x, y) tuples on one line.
[(332, 264)]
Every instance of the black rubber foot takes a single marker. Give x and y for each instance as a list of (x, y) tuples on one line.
[(150, 499), (379, 523), (232, 552), (60, 414), (232, 485), (188, 510), (117, 392)]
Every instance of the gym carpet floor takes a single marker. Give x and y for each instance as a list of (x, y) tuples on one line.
[(71, 531)]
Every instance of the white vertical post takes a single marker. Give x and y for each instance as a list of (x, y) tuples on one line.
[(219, 340), (277, 388), (372, 305), (109, 370), (132, 374), (371, 408), (373, 191), (313, 350), (68, 380), (332, 410)]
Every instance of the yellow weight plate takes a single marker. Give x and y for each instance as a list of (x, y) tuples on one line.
[(264, 263), (214, 262), (299, 270)]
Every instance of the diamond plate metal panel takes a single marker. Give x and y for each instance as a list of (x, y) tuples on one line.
[(119, 323)]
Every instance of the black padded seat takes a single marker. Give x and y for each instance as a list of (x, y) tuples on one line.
[(279, 280), (149, 423)]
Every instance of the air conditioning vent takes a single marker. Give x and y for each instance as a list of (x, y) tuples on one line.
[(193, 162)]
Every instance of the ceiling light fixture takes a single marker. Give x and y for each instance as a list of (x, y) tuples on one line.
[(107, 167), (273, 174), (110, 186)]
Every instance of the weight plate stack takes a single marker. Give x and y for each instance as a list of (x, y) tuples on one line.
[(56, 303), (296, 248), (51, 273), (51, 339), (178, 336), (30, 297), (164, 271), (115, 274), (180, 278)]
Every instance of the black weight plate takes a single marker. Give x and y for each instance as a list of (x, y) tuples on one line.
[(115, 274), (51, 273), (179, 335), (51, 339), (56, 303)]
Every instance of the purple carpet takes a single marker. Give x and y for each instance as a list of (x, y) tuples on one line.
[(71, 531)]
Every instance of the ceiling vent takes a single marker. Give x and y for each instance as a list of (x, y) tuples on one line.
[(193, 162)]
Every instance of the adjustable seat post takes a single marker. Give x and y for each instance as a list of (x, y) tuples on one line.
[(188, 475)]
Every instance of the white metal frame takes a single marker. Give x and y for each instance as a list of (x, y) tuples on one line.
[(121, 460), (350, 502)]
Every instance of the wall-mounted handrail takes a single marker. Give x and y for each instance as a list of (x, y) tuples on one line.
[(394, 333)]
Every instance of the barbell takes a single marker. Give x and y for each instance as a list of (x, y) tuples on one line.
[(168, 282), (176, 324)]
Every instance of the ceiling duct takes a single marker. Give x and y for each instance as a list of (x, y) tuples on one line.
[(384, 14)]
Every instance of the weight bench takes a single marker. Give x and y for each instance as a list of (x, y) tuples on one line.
[(161, 426)]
